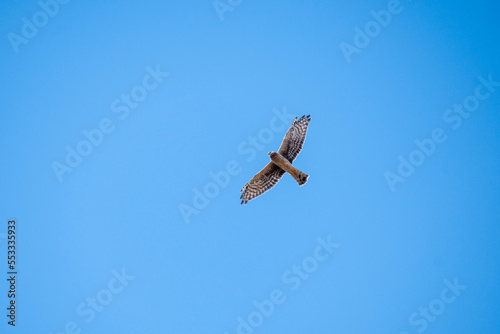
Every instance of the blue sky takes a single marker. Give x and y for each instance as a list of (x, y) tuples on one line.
[(129, 129)]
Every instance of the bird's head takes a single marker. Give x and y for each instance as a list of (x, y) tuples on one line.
[(270, 154)]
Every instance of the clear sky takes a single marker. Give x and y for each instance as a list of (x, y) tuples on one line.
[(129, 129)]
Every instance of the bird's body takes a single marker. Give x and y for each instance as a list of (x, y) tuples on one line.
[(287, 166), (281, 162)]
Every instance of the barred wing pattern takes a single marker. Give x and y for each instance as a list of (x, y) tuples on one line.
[(294, 138), (261, 182)]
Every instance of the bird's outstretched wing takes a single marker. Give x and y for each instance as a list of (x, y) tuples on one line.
[(294, 138), (261, 182)]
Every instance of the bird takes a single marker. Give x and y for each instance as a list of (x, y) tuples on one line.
[(280, 163)]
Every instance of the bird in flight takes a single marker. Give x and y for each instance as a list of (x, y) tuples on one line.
[(281, 162)]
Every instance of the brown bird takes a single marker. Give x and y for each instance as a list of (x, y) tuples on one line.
[(281, 162)]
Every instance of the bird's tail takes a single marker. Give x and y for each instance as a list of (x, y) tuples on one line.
[(301, 178)]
